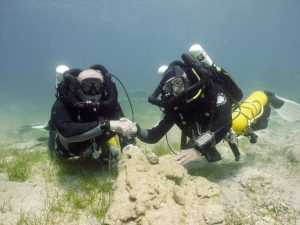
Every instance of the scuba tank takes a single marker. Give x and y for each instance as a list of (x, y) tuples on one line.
[(248, 111), (161, 70), (112, 144), (198, 53), (221, 77), (59, 74), (52, 130)]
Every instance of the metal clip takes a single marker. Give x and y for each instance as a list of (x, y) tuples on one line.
[(96, 153)]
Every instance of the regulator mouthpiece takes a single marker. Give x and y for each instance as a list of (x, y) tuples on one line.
[(198, 53), (162, 69), (59, 73)]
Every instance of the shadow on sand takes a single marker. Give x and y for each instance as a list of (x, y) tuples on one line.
[(219, 171)]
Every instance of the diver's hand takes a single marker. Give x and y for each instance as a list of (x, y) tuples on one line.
[(118, 127), (123, 126), (132, 127), (188, 155)]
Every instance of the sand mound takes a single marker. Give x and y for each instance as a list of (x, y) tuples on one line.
[(151, 190)]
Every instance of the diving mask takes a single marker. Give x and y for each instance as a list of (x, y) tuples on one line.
[(174, 86), (91, 89), (92, 86)]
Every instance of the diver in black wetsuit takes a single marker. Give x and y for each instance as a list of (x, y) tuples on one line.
[(86, 114), (198, 105)]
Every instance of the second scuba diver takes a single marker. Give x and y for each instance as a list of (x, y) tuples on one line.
[(197, 104), (86, 115), (199, 97)]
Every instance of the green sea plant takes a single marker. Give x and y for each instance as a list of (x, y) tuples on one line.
[(234, 219), (84, 187), (162, 148), (31, 218), (18, 164)]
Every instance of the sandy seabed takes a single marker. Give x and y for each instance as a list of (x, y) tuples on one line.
[(262, 185)]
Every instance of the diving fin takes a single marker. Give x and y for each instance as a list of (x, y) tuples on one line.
[(43, 126), (27, 128), (289, 110)]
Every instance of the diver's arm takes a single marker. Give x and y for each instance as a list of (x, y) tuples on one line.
[(72, 131), (154, 134), (98, 130)]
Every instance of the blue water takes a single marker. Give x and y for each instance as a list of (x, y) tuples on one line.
[(257, 41)]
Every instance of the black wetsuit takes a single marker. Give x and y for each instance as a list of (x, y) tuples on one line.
[(77, 130), (74, 129), (210, 111)]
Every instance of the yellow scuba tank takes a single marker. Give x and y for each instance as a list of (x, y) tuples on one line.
[(114, 142), (248, 111), (113, 145)]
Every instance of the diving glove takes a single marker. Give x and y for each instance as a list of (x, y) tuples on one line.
[(123, 126)]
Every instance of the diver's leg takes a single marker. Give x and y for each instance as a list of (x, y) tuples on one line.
[(51, 138)]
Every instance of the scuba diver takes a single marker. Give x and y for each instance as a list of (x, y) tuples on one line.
[(86, 116), (204, 102), (191, 97)]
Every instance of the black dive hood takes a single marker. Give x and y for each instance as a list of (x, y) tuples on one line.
[(69, 89), (157, 97), (154, 98)]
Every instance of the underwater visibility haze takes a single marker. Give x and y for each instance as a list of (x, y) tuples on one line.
[(257, 42)]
